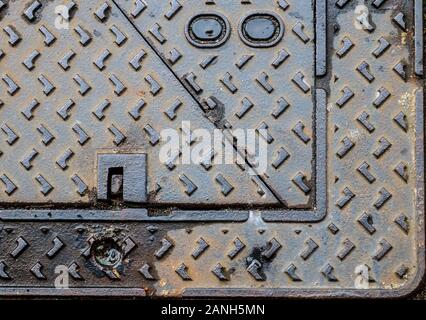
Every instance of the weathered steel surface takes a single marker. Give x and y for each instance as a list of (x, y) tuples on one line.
[(337, 84), (260, 83), (106, 91)]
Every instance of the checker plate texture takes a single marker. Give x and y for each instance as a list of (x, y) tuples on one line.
[(340, 91), (241, 75)]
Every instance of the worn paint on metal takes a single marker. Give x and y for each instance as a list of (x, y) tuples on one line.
[(337, 84)]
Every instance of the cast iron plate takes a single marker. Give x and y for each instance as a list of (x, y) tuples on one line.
[(88, 87)]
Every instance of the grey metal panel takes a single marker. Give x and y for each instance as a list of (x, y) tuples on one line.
[(265, 86), (366, 160), (108, 92)]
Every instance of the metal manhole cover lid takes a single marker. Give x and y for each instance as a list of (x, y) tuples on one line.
[(211, 148)]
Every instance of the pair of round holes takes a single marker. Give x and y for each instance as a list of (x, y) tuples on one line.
[(256, 29)]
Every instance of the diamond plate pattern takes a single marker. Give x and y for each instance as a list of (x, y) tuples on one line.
[(244, 87), (363, 115), (97, 88)]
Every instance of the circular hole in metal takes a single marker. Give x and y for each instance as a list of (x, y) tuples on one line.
[(207, 30), (107, 253), (261, 29)]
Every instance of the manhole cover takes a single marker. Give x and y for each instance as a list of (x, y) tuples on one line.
[(211, 148)]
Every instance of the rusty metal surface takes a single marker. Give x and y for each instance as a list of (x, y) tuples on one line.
[(338, 85)]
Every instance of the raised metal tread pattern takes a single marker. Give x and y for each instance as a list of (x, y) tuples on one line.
[(97, 87), (374, 215), (245, 87)]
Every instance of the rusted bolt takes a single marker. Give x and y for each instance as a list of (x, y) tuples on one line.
[(107, 253)]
